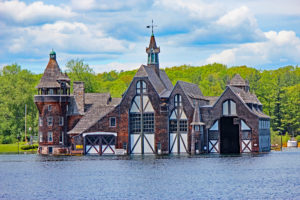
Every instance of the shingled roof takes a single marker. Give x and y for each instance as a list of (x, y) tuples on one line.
[(237, 80), (161, 83), (191, 90), (51, 75), (97, 111), (248, 97)]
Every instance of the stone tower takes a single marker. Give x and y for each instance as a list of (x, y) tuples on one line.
[(52, 102)]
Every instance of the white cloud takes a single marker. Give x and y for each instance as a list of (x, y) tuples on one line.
[(99, 68), (238, 17), (193, 8), (83, 5), (66, 36), (20, 12), (283, 46)]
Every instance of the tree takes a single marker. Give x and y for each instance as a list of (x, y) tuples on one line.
[(79, 71)]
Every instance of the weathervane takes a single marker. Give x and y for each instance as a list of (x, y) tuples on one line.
[(151, 26)]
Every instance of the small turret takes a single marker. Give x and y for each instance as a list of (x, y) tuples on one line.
[(239, 82), (153, 51), (53, 82)]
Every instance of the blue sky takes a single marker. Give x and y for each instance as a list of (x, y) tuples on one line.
[(112, 35)]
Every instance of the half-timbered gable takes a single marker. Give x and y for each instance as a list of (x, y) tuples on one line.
[(182, 103), (152, 117)]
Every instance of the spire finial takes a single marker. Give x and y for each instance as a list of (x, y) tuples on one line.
[(151, 26)]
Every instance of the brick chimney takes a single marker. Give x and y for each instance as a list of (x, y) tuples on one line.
[(78, 92)]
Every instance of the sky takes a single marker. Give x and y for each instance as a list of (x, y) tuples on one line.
[(112, 35)]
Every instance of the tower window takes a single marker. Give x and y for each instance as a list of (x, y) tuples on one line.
[(112, 122), (41, 136), (49, 121), (61, 138), (61, 121), (50, 137)]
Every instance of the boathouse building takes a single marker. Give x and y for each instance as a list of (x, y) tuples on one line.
[(152, 117)]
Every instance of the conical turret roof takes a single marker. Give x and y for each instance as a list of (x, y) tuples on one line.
[(52, 74), (237, 80)]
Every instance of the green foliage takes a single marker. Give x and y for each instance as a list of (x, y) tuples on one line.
[(79, 71), (278, 90), (16, 89), (27, 147)]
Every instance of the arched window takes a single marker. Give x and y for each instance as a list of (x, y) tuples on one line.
[(229, 107), (141, 87), (141, 122)]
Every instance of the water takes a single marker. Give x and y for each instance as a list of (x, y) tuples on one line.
[(274, 175)]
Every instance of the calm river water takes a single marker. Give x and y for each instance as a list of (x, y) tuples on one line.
[(274, 175)]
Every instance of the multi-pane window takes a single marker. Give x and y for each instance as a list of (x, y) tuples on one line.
[(229, 108), (183, 125), (49, 107), (61, 121), (135, 122), (141, 111), (148, 119), (50, 137), (141, 87), (49, 121), (178, 119), (173, 125), (112, 122)]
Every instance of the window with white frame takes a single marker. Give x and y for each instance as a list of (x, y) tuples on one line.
[(112, 122), (61, 121), (229, 107), (49, 121), (50, 137), (49, 107), (141, 87), (41, 136), (177, 100)]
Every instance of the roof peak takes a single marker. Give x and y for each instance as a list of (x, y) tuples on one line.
[(52, 54), (237, 80)]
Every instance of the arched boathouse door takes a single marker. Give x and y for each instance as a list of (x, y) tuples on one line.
[(178, 127), (141, 117)]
